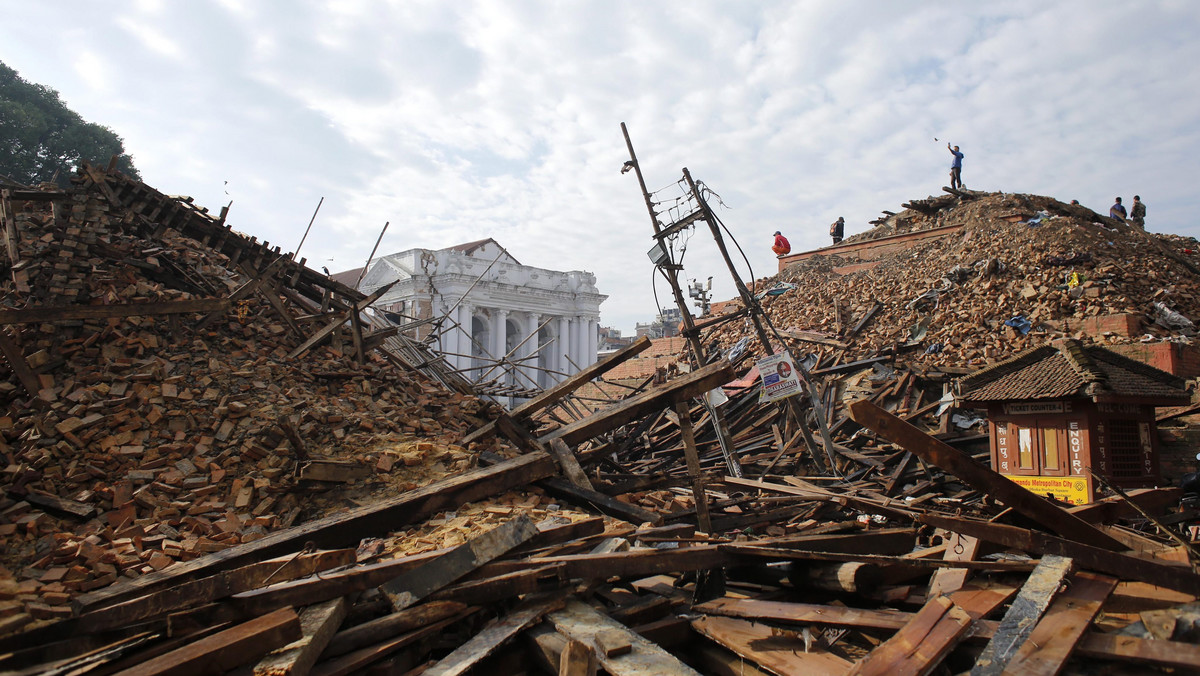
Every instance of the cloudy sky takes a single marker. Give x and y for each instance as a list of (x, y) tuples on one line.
[(456, 121)]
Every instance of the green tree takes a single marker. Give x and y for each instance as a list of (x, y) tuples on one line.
[(42, 140)]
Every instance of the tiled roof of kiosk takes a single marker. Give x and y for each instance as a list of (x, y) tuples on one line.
[(1068, 368)]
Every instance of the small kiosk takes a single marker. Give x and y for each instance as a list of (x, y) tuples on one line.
[(1059, 412)]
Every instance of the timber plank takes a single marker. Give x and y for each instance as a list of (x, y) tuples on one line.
[(778, 652), (570, 464), (388, 626), (1024, 613), (62, 312), (342, 318), (1124, 566), (1053, 640), (577, 659), (496, 633), (403, 582), (197, 592), (16, 361), (581, 622), (318, 623), (354, 662), (685, 387), (1104, 646), (227, 649), (921, 644), (422, 581)]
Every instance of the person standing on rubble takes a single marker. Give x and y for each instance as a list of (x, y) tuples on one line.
[(1117, 210), (955, 168), (837, 229), (1138, 213), (782, 247)]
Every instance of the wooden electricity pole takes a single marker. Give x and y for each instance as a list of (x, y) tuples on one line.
[(756, 316)]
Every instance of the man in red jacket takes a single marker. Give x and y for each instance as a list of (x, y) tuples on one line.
[(781, 248)]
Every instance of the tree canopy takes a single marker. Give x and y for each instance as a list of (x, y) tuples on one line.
[(43, 140)]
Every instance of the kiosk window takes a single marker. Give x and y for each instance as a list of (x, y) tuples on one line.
[(1025, 448)]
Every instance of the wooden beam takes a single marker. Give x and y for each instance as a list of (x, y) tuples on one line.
[(601, 502), (242, 292), (577, 659), (63, 312), (405, 582), (692, 457), (318, 623), (979, 477), (920, 645), (1124, 566), (342, 318), (570, 464), (353, 663), (1104, 646), (16, 361), (1051, 643), (496, 633), (227, 649), (959, 548), (207, 589), (685, 387), (779, 652), (415, 585), (388, 626), (1025, 612), (581, 622), (343, 528)]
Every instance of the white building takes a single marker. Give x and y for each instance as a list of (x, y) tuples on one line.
[(494, 308)]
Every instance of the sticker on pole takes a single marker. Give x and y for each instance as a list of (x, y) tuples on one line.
[(779, 377)]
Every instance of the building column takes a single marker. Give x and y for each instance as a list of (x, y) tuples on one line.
[(462, 335), (581, 341), (499, 333), (562, 346), (593, 341), (529, 367)]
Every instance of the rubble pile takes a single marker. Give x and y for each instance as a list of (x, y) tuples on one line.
[(1023, 270), (170, 448), (151, 439)]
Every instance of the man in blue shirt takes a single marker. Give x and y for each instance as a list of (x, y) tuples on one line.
[(955, 168), (1117, 210)]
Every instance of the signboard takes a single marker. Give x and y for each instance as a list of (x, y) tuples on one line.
[(1037, 407), (779, 377), (1070, 489)]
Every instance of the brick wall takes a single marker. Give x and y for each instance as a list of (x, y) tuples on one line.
[(1174, 358), (1177, 452)]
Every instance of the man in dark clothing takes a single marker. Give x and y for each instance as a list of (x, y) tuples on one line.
[(837, 229), (781, 247), (1117, 210), (955, 168), (1138, 213)]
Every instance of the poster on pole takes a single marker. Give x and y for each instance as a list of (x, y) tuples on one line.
[(779, 377)]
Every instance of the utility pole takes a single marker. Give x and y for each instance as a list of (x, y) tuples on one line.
[(755, 313), (670, 271)]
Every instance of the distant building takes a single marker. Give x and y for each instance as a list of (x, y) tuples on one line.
[(544, 320), (665, 325), (611, 340)]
